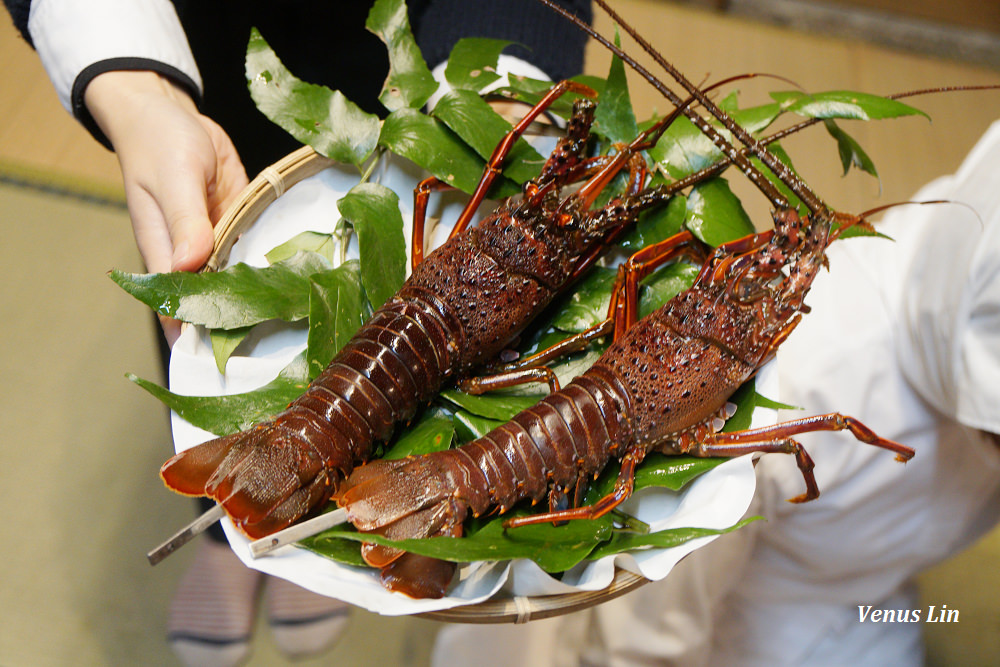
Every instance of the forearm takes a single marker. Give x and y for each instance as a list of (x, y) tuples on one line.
[(79, 41)]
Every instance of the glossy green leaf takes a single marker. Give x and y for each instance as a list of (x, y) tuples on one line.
[(472, 119), (657, 224), (410, 83), (614, 118), (844, 104), (428, 143), (223, 415), (433, 432), (315, 115), (744, 399), (715, 214), (469, 426), (337, 309), (494, 405), (684, 150), (664, 285), (472, 64), (319, 243), (373, 210), (555, 549), (656, 470), (224, 343), (236, 297), (335, 548), (588, 304), (629, 541), (531, 91), (778, 151), (850, 151)]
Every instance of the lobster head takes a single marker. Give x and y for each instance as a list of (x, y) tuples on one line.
[(754, 289)]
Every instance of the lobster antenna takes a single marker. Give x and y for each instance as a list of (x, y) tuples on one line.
[(735, 156)]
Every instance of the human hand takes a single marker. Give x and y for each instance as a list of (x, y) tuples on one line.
[(180, 169)]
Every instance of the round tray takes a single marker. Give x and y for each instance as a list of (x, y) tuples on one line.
[(503, 607)]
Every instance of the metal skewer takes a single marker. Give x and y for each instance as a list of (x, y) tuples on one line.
[(299, 531), (185, 534)]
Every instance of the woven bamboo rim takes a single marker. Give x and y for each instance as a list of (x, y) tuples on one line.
[(260, 193)]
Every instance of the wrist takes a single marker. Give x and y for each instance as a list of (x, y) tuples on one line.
[(117, 99)]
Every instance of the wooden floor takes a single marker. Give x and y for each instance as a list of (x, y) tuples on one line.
[(81, 445)]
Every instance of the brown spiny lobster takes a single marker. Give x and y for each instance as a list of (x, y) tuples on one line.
[(460, 307), (662, 385)]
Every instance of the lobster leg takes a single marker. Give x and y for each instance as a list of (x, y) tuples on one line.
[(624, 486), (512, 378)]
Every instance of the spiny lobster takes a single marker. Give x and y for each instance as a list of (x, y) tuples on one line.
[(460, 307), (663, 385)]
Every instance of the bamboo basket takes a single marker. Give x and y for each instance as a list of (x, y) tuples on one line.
[(241, 215)]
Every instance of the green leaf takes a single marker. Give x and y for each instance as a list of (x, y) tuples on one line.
[(664, 539), (715, 214), (469, 427), (224, 343), (223, 415), (779, 152), (555, 549), (851, 153), (494, 405), (471, 118), (322, 244), (337, 309), (315, 115), (614, 117), (410, 83), (236, 297), (428, 143), (588, 304), (664, 285), (531, 91), (656, 470), (657, 224), (432, 433), (683, 150), (844, 104), (472, 63), (764, 402), (373, 210), (745, 400)]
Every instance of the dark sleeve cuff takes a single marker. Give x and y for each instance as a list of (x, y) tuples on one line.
[(123, 64)]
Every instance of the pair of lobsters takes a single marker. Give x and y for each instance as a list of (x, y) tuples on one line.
[(663, 385)]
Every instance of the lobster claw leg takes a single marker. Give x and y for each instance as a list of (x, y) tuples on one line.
[(624, 486)]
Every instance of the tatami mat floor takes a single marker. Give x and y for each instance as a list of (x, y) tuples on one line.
[(81, 445)]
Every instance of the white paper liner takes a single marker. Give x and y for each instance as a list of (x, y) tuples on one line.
[(717, 499)]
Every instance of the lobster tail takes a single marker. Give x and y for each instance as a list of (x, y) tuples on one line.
[(407, 499), (266, 478), (188, 472)]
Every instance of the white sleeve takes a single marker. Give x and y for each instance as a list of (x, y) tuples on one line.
[(950, 345), (77, 39)]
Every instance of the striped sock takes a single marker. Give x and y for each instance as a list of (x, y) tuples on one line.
[(212, 613), (303, 623)]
